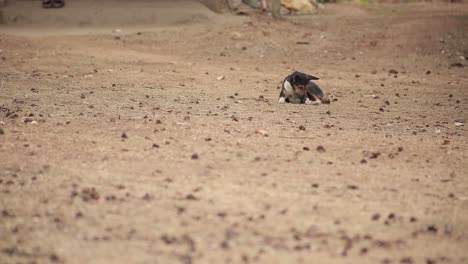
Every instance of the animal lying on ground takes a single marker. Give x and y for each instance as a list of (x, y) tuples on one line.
[(298, 88)]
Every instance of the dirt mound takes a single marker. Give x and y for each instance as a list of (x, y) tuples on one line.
[(115, 13)]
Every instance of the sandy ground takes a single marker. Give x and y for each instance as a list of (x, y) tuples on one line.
[(124, 147)]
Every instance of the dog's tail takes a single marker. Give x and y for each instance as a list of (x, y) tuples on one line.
[(314, 91)]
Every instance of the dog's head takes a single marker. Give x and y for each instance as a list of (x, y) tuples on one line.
[(299, 81), (300, 78)]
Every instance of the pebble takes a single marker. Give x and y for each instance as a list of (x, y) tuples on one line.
[(262, 132), (320, 149)]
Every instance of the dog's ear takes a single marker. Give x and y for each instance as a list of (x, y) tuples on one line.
[(301, 77), (310, 77)]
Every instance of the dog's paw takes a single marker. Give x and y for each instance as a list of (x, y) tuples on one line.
[(281, 100), (325, 99), (310, 102)]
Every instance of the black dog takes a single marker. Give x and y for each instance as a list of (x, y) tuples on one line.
[(298, 88)]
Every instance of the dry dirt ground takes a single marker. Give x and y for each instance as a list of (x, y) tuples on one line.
[(124, 147)]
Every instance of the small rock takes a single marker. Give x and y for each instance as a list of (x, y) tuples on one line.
[(320, 149), (194, 156), (432, 229), (191, 197), (124, 135), (457, 65), (262, 132), (2, 132), (54, 258), (220, 78), (375, 217), (302, 127), (457, 123), (386, 261), (371, 155), (393, 71), (236, 35), (306, 148), (147, 197), (88, 194), (406, 260)]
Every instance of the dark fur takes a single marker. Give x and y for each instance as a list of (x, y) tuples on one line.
[(303, 89)]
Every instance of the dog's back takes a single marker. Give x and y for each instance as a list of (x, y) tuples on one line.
[(316, 94)]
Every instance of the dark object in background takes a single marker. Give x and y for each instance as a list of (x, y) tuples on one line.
[(3, 3), (53, 3)]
